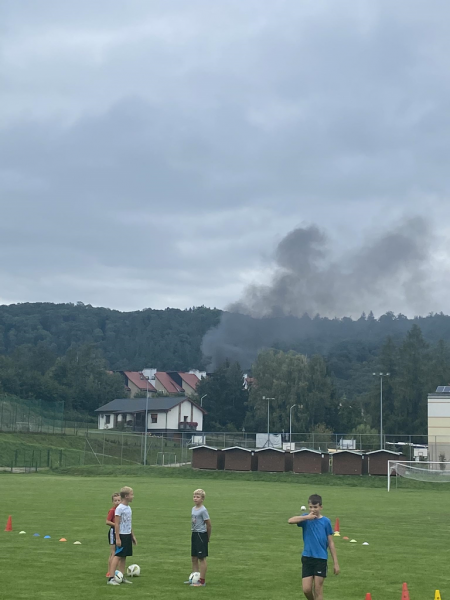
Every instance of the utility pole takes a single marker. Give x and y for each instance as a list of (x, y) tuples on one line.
[(381, 375)]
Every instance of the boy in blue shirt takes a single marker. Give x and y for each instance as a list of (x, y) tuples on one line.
[(317, 538)]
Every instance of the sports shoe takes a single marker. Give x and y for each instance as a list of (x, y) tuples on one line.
[(198, 584), (112, 582), (124, 580)]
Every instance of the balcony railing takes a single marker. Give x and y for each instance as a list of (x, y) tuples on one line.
[(188, 425)]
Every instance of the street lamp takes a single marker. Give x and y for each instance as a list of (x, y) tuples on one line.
[(268, 418), (146, 425), (201, 400), (381, 375), (290, 426)]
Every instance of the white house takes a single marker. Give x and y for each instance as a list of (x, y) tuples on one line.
[(164, 414)]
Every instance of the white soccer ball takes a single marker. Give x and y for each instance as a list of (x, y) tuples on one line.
[(134, 570), (194, 577), (118, 576), (303, 508)]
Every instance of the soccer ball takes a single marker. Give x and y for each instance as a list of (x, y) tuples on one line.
[(134, 570), (118, 576), (194, 577)]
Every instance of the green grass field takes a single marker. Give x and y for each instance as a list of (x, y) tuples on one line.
[(254, 553)]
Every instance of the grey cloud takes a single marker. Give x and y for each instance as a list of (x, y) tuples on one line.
[(130, 138)]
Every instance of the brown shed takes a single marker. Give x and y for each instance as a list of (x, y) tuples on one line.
[(239, 459), (271, 459), (310, 461), (377, 461), (206, 457), (348, 462)]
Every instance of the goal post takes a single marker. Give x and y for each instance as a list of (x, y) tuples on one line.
[(428, 471)]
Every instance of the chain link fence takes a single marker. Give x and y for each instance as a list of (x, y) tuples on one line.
[(29, 451), (128, 448), (410, 445), (19, 415)]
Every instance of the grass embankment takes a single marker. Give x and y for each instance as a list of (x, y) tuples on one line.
[(53, 450)]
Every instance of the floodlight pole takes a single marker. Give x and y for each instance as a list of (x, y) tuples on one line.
[(145, 426), (381, 375), (268, 418), (290, 426)]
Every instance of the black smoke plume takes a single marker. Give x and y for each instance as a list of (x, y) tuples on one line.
[(385, 272)]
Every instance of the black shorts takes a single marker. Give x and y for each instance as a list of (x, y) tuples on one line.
[(112, 536), (126, 549), (199, 544), (314, 567)]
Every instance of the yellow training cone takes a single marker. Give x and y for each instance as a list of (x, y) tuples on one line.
[(352, 541), (77, 542), (437, 595), (337, 534)]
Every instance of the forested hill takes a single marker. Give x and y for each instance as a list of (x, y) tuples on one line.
[(171, 339), (165, 339)]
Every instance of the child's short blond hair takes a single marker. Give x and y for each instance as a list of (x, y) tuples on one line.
[(115, 495), (200, 492), (125, 491)]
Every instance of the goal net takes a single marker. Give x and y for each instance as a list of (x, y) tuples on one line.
[(431, 472)]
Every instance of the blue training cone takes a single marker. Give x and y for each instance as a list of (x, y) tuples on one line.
[(46, 537), (36, 534)]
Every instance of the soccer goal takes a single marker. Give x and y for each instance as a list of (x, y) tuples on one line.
[(432, 472), (166, 459)]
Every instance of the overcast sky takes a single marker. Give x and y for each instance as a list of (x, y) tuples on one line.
[(154, 153)]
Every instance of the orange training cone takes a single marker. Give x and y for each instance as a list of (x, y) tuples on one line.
[(368, 596), (9, 524), (405, 593), (336, 526)]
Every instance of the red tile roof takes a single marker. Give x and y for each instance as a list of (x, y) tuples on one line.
[(190, 378), (168, 383), (139, 380)]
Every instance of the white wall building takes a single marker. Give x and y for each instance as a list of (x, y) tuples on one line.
[(164, 414), (439, 424)]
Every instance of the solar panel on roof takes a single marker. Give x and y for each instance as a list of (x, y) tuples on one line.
[(447, 389), (440, 389), (443, 389)]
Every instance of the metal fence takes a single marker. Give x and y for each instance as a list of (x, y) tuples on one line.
[(100, 447), (410, 445), (131, 448), (37, 416)]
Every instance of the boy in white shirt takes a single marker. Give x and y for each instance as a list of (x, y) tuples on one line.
[(125, 537)]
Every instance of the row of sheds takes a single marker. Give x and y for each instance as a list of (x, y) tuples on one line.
[(304, 460)]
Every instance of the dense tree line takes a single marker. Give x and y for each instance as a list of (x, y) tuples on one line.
[(321, 403), (62, 352), (80, 378), (166, 339)]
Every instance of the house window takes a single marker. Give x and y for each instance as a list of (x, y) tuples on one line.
[(107, 419), (185, 419), (155, 418)]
